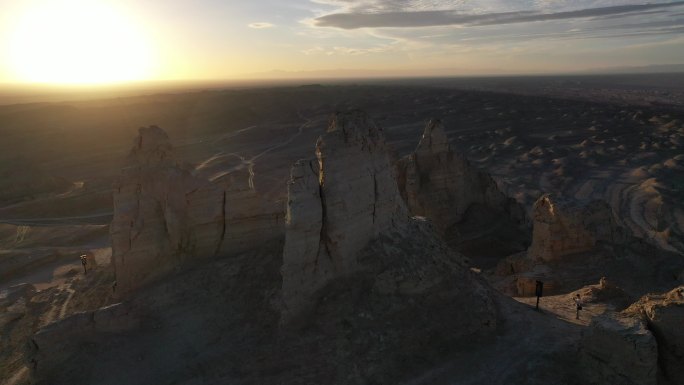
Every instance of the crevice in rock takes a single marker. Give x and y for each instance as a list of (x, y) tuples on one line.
[(375, 195), (323, 237), (223, 224)]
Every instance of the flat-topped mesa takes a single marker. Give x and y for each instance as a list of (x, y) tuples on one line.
[(165, 215), (562, 227), (440, 184)]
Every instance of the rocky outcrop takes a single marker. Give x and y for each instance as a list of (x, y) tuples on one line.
[(352, 252), (618, 349), (337, 204), (440, 184), (641, 345), (562, 226), (165, 215), (665, 317)]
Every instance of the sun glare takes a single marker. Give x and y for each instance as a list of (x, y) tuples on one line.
[(77, 42)]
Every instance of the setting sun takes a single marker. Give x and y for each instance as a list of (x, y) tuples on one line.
[(77, 42)]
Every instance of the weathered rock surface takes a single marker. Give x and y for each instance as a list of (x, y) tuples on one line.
[(164, 215), (440, 184), (53, 346), (348, 231), (619, 349), (665, 317), (337, 204), (562, 226)]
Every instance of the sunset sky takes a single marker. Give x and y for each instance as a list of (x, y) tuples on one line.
[(92, 41)]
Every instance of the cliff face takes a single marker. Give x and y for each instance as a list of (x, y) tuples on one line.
[(164, 215), (337, 204), (440, 184), (348, 231), (562, 227)]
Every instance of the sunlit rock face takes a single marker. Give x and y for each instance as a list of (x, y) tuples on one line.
[(351, 245), (165, 215), (440, 184), (562, 227), (337, 203)]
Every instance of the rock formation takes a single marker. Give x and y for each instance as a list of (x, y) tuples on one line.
[(346, 222), (562, 226), (665, 317), (165, 216), (438, 183), (619, 350), (336, 205), (641, 345)]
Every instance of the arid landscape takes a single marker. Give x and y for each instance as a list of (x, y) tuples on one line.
[(348, 232)]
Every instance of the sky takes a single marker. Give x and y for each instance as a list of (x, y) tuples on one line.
[(100, 40)]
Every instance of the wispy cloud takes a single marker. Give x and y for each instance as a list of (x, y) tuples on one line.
[(432, 18), (260, 25)]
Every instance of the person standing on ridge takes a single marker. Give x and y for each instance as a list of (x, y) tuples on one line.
[(84, 261), (578, 305)]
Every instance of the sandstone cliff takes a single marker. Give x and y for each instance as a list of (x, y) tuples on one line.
[(562, 226), (165, 215)]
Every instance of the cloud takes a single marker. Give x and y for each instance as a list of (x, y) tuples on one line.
[(260, 25), (433, 18)]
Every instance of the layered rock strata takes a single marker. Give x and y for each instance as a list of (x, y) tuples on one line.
[(165, 216), (562, 227), (439, 183), (348, 230)]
